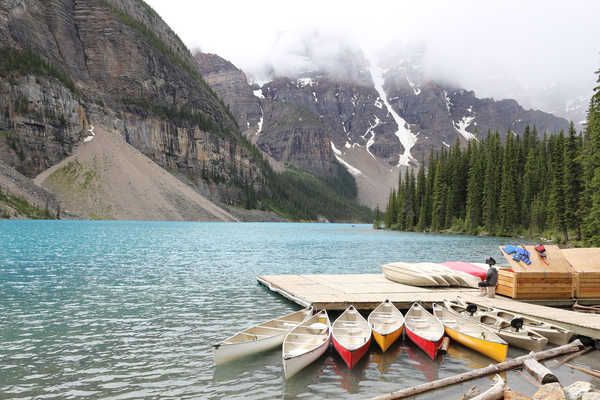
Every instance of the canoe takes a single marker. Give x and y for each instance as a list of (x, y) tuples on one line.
[(437, 269), (523, 337), (258, 338), (351, 336), (554, 333), (460, 278), (469, 268), (387, 323), (424, 329), (471, 334), (410, 275), (306, 343)]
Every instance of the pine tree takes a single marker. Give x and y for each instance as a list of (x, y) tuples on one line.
[(490, 188), (474, 188), (591, 223), (571, 182), (508, 201), (438, 200), (557, 194)]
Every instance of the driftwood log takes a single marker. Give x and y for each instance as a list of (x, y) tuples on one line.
[(571, 356), (477, 373), (496, 392), (539, 372), (445, 345), (591, 372), (529, 379)]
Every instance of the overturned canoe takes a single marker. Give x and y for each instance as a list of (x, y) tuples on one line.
[(408, 274), (306, 343), (456, 278), (258, 338), (387, 323), (519, 336), (424, 330), (469, 268), (471, 334), (351, 336)]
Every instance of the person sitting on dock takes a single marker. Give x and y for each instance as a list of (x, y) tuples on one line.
[(491, 279)]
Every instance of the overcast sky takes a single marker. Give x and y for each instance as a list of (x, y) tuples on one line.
[(535, 43)]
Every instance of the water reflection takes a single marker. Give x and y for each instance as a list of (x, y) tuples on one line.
[(309, 376), (384, 360), (422, 362)]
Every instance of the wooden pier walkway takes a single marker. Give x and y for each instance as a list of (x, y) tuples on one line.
[(366, 291)]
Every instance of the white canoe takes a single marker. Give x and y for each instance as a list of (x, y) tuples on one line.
[(449, 275), (259, 338), (554, 333), (409, 274), (459, 277), (306, 343), (523, 337)]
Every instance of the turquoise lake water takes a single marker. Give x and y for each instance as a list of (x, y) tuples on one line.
[(125, 310)]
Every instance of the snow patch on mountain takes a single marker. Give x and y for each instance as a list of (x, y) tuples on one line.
[(371, 139), (414, 87), (258, 93), (338, 156), (448, 101), (405, 136), (259, 125), (302, 82), (461, 127)]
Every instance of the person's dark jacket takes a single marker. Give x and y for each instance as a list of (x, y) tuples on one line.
[(492, 276)]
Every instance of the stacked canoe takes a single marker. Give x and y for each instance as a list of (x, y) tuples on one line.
[(428, 274)]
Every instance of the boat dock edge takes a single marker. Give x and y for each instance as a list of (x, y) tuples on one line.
[(282, 292)]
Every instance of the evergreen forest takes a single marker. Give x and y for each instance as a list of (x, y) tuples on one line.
[(532, 184)]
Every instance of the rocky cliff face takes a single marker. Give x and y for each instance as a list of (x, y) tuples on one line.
[(231, 85), (116, 64)]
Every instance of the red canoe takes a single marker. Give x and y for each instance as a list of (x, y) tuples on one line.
[(424, 329), (351, 336), (469, 268)]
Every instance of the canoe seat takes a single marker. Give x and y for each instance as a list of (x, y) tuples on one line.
[(317, 326)]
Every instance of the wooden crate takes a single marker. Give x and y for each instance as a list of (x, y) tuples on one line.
[(587, 285), (535, 285), (586, 263)]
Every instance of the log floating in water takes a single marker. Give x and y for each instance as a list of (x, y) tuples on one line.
[(494, 368), (538, 371), (496, 392), (591, 372), (445, 344), (529, 379), (572, 356)]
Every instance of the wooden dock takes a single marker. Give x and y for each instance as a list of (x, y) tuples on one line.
[(366, 291)]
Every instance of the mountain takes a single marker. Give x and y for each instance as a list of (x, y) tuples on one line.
[(68, 67), (373, 117), (116, 65)]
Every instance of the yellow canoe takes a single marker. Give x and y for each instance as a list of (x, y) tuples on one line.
[(387, 323), (471, 334)]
